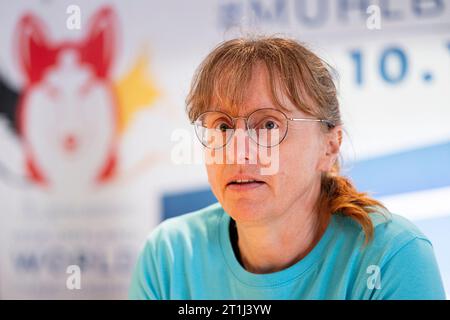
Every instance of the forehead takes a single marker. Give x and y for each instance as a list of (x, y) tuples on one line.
[(257, 94)]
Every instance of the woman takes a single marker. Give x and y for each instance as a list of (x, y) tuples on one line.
[(301, 231)]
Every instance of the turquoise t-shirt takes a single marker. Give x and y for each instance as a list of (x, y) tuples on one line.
[(191, 257)]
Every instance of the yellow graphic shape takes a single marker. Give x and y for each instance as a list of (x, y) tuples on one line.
[(135, 91)]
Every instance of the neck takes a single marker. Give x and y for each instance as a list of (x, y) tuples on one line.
[(270, 246)]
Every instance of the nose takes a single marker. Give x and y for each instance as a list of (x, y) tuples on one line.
[(70, 143), (240, 123), (240, 149)]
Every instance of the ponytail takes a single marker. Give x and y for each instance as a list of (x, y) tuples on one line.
[(338, 195)]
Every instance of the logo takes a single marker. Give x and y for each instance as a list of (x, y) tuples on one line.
[(70, 113)]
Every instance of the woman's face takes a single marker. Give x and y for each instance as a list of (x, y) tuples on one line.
[(296, 163)]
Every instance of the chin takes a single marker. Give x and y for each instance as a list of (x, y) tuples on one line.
[(245, 210)]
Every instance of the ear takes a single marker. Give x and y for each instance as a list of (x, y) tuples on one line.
[(34, 52), (332, 145), (99, 46)]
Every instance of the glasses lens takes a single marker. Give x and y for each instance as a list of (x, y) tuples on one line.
[(214, 129), (267, 127)]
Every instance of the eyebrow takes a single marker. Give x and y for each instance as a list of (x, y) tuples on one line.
[(271, 106)]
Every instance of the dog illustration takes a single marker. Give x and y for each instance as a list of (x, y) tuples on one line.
[(67, 111)]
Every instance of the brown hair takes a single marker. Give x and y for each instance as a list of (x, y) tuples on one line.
[(305, 79)]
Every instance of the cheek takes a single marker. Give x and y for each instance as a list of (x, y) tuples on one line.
[(210, 170), (214, 178), (298, 162)]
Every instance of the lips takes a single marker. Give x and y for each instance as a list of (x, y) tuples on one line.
[(242, 183)]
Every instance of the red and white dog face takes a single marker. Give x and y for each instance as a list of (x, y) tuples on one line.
[(67, 110)]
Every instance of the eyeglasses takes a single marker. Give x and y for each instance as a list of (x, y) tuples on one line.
[(266, 127)]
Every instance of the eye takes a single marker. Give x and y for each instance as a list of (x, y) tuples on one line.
[(222, 126), (270, 125)]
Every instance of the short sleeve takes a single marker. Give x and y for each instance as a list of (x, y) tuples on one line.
[(411, 273)]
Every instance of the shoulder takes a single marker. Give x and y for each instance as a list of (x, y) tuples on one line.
[(169, 250), (392, 234), (389, 229), (399, 255), (197, 226)]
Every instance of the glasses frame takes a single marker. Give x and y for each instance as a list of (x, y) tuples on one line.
[(234, 120)]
